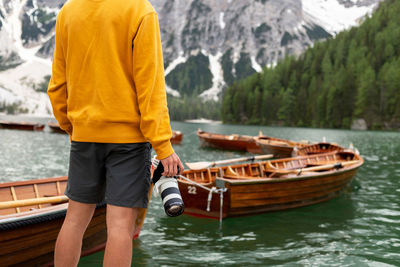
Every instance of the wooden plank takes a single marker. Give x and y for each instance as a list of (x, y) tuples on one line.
[(271, 187), (286, 199), (37, 194), (209, 175), (48, 189), (24, 192), (261, 209), (14, 196), (288, 191), (58, 188), (36, 181)]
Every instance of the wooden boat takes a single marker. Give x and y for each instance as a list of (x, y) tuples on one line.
[(55, 127), (229, 142), (269, 185), (30, 126), (177, 137), (280, 148), (29, 230), (318, 148)]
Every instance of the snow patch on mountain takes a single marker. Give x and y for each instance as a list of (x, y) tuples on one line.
[(221, 20), (333, 16), (171, 66), (21, 81), (255, 65), (218, 78), (18, 84), (171, 91), (8, 98), (176, 62)]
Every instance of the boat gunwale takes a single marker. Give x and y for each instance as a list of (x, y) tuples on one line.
[(263, 180), (34, 181), (32, 218), (32, 213)]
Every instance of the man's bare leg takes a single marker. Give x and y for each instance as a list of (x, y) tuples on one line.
[(120, 229), (69, 241)]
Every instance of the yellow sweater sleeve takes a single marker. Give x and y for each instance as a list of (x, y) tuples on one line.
[(57, 89), (148, 75)]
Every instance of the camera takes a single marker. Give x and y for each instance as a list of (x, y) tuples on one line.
[(168, 187)]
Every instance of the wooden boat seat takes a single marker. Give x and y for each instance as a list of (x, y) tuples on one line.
[(230, 171)]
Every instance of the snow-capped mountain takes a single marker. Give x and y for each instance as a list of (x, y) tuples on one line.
[(218, 40)]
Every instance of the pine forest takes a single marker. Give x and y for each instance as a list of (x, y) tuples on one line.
[(351, 77)]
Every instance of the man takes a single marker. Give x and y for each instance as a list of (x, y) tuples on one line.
[(108, 93)]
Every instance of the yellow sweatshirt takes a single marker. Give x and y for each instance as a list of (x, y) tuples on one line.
[(107, 83)]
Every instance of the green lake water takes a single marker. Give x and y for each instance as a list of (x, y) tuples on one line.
[(359, 228)]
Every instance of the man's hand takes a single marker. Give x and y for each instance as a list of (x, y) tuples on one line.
[(171, 164)]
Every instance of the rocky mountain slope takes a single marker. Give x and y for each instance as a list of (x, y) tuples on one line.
[(207, 44)]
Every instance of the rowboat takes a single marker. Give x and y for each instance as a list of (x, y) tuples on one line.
[(177, 137), (272, 185), (30, 126), (229, 142), (318, 148), (55, 127), (31, 214), (280, 148)]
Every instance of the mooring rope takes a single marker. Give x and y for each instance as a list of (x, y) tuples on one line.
[(211, 190)]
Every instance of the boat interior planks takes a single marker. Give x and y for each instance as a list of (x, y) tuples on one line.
[(318, 148)]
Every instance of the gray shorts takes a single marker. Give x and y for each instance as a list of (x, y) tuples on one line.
[(117, 174)]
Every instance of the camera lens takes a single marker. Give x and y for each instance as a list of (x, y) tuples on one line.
[(170, 194)]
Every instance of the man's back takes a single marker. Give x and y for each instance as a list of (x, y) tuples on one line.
[(114, 71), (97, 41)]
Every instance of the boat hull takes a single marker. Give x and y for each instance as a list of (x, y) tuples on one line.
[(245, 197), (28, 234), (277, 151), (263, 196), (33, 244), (229, 142), (55, 128), (176, 138), (280, 148), (22, 126), (196, 201)]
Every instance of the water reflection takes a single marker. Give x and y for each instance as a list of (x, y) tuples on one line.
[(256, 240)]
